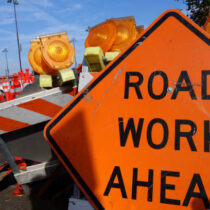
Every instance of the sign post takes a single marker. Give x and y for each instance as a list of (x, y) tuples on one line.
[(138, 137)]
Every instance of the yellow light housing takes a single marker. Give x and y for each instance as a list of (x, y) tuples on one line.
[(126, 33), (102, 35), (36, 60), (57, 50)]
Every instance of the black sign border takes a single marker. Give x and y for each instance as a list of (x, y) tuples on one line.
[(101, 77)]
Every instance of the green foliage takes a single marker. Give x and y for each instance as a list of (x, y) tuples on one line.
[(198, 10)]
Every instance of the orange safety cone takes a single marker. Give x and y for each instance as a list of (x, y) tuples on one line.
[(32, 78), (6, 87), (26, 78), (12, 92), (21, 164), (18, 191), (1, 97), (17, 85), (20, 78)]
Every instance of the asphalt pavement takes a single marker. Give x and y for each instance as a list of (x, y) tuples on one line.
[(56, 197)]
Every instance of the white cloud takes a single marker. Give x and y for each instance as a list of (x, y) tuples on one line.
[(40, 3), (43, 3), (6, 9), (27, 11), (73, 7), (77, 6), (7, 21), (43, 16)]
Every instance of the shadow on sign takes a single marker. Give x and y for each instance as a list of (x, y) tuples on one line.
[(74, 139), (197, 204)]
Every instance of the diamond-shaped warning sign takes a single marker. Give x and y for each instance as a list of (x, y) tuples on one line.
[(138, 137)]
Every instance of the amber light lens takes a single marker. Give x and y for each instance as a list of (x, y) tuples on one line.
[(57, 51), (126, 33), (36, 60), (207, 25), (102, 35)]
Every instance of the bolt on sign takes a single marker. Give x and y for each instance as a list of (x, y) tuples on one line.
[(138, 136)]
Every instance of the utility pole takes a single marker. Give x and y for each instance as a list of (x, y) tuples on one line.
[(15, 2), (7, 67), (73, 40)]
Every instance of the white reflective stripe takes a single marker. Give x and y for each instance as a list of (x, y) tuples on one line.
[(59, 99), (25, 84), (12, 90), (18, 89), (5, 84), (33, 96), (1, 132), (23, 115), (6, 90)]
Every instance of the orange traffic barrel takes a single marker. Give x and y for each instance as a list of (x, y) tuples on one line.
[(57, 51), (36, 60), (102, 35), (126, 32)]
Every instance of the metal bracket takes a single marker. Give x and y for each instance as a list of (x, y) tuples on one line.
[(36, 172), (8, 156)]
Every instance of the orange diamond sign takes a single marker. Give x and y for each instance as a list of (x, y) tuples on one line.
[(138, 136)]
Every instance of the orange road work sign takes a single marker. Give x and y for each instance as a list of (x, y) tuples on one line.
[(138, 136)]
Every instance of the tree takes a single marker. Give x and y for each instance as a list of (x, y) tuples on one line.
[(198, 10)]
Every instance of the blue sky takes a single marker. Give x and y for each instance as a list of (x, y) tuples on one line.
[(38, 17)]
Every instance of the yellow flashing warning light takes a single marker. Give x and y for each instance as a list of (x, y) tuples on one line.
[(102, 35), (207, 25), (126, 32), (36, 60), (140, 29), (57, 50)]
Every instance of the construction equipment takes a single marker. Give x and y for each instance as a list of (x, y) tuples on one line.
[(107, 39), (112, 35), (48, 55)]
